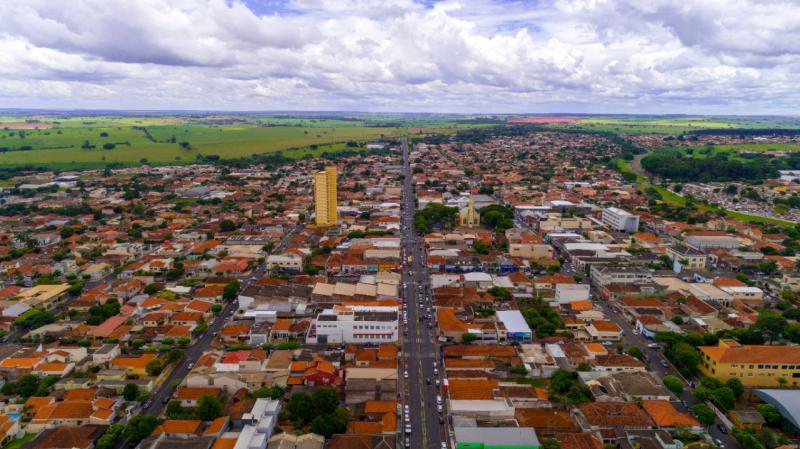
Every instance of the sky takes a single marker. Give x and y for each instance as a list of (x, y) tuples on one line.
[(738, 57)]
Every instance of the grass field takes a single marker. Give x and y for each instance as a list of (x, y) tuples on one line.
[(674, 199)]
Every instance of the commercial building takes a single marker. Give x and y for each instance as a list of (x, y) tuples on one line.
[(754, 365), (495, 438), (620, 220), (355, 324), (516, 327), (325, 197), (688, 257)]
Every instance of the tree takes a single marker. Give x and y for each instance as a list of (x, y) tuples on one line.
[(273, 392), (154, 367), (331, 423), (109, 438), (468, 338), (151, 289), (724, 398), (174, 355), (704, 414), (209, 408), (634, 351), (551, 443), (500, 293), (325, 400), (519, 369), (216, 308), (770, 414), (480, 248), (130, 392), (301, 408), (231, 290), (673, 384), (227, 226), (736, 386), (770, 324), (747, 439), (561, 381), (139, 428)]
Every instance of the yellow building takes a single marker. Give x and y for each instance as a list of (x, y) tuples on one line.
[(754, 365), (468, 217), (325, 197)]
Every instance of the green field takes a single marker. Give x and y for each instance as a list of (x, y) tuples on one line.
[(702, 151), (75, 142), (677, 125), (674, 199)]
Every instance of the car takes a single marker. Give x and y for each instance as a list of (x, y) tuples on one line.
[(405, 375), (444, 445), (607, 343), (718, 442), (408, 428), (435, 371), (407, 442), (148, 404), (441, 419), (439, 408), (664, 363), (685, 404), (437, 382), (166, 399), (653, 346), (428, 380), (408, 417), (722, 428)]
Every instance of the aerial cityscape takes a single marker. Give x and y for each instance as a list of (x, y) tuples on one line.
[(400, 224)]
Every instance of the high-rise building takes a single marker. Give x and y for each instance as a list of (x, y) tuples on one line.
[(325, 197)]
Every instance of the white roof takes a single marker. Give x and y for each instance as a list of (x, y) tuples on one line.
[(513, 321), (477, 277)]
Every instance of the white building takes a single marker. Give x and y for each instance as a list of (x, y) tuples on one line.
[(258, 424), (355, 324), (620, 220), (567, 293), (293, 262)]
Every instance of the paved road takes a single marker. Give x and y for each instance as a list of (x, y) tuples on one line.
[(420, 349), (661, 366)]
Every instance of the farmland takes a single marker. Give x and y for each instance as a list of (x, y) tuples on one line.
[(74, 142), (677, 125)]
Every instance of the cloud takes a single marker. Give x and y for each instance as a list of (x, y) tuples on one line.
[(403, 55)]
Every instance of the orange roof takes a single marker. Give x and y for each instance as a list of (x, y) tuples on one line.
[(20, 362), (723, 281), (282, 324), (192, 394), (216, 426), (103, 414), (581, 305), (108, 326), (200, 306), (755, 354), (51, 367), (387, 351), (606, 326), (173, 426), (374, 406), (224, 443), (365, 427), (235, 329), (64, 410), (389, 422), (133, 362), (448, 321), (596, 347), (85, 394), (664, 414), (472, 389)]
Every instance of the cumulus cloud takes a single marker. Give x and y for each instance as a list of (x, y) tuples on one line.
[(403, 55)]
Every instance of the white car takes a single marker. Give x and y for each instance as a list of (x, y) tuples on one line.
[(405, 375), (607, 343)]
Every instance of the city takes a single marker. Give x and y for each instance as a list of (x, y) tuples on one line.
[(399, 224)]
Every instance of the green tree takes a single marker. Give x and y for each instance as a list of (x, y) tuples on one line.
[(110, 436), (770, 414), (209, 408), (154, 367), (130, 392), (301, 408), (724, 398), (736, 387), (562, 380), (770, 324), (325, 400), (551, 443), (227, 226), (634, 351), (174, 355), (501, 293), (231, 290), (480, 248), (468, 338), (151, 289), (519, 369), (216, 308), (673, 383), (704, 414), (273, 392), (139, 428)]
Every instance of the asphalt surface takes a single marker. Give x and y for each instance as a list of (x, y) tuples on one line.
[(420, 349)]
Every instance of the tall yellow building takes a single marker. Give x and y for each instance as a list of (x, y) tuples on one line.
[(754, 365), (325, 197)]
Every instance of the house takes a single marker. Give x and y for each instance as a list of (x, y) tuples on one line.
[(604, 330), (609, 415), (688, 257), (665, 415), (754, 365), (61, 437), (188, 397), (135, 365)]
